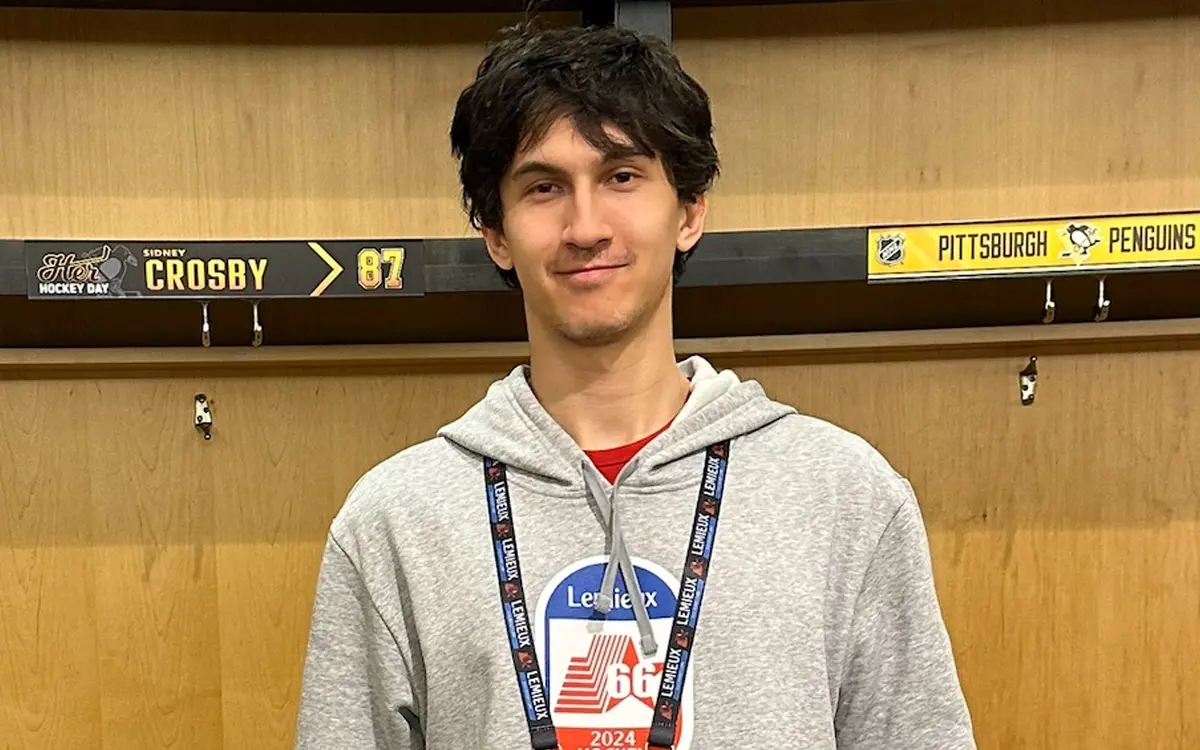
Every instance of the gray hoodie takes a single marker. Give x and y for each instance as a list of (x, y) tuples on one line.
[(820, 627)]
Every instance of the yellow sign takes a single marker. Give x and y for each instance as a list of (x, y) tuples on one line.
[(1040, 248)]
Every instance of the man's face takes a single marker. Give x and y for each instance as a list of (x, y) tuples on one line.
[(592, 236)]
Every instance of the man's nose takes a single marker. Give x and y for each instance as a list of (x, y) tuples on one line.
[(587, 225)]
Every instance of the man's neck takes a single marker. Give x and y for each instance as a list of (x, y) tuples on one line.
[(606, 397)]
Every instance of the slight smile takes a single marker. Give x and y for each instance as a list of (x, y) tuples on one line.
[(591, 273)]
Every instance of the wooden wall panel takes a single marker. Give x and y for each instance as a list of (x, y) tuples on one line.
[(286, 453), (145, 124), (151, 502), (155, 588), (263, 125), (175, 578), (248, 125), (937, 110), (49, 671), (1066, 535), (270, 550)]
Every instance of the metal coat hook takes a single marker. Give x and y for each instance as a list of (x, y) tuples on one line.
[(258, 331), (1102, 304), (203, 420), (1028, 382), (1048, 310), (205, 338)]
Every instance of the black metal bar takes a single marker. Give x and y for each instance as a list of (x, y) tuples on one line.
[(778, 256), (12, 267), (720, 258), (646, 16), (598, 12), (371, 6), (301, 6)]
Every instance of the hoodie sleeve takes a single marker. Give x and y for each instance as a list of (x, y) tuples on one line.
[(900, 688), (356, 691)]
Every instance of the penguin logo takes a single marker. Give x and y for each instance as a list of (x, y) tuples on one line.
[(889, 249), (1080, 238)]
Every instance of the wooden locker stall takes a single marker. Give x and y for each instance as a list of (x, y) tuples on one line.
[(155, 587)]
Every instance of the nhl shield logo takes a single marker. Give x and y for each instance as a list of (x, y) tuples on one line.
[(602, 689), (889, 249)]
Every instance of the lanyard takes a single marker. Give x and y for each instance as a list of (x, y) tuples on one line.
[(530, 680)]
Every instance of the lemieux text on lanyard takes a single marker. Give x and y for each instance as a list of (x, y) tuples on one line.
[(530, 679)]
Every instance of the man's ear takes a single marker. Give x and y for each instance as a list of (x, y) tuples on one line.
[(497, 248), (691, 223)]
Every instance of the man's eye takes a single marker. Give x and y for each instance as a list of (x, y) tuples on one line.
[(624, 177)]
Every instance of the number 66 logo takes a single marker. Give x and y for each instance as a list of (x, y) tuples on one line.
[(639, 682)]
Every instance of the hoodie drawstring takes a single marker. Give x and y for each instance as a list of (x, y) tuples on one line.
[(618, 557)]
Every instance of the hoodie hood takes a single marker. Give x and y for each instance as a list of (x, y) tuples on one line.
[(510, 425)]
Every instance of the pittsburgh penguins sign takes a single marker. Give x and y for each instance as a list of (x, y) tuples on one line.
[(258, 270), (1099, 244)]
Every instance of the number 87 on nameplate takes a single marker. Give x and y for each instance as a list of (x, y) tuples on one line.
[(378, 266), (602, 689)]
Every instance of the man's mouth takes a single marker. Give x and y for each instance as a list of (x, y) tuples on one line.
[(589, 269), (590, 274)]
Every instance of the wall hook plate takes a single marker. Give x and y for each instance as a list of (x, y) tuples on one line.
[(203, 416)]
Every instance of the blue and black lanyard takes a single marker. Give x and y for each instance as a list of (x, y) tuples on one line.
[(534, 694)]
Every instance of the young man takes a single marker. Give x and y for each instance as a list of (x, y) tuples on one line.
[(613, 549)]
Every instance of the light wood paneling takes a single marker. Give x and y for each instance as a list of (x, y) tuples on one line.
[(143, 124), (151, 501), (1065, 535), (937, 110), (287, 451), (244, 125), (166, 582), (157, 587), (49, 673)]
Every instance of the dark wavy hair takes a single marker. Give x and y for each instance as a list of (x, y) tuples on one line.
[(597, 76)]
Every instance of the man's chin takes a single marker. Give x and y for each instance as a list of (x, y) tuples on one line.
[(594, 333)]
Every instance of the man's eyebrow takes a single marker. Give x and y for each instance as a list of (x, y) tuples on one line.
[(623, 152), (535, 167), (614, 154)]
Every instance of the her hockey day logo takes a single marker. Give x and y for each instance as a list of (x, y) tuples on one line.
[(603, 690)]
